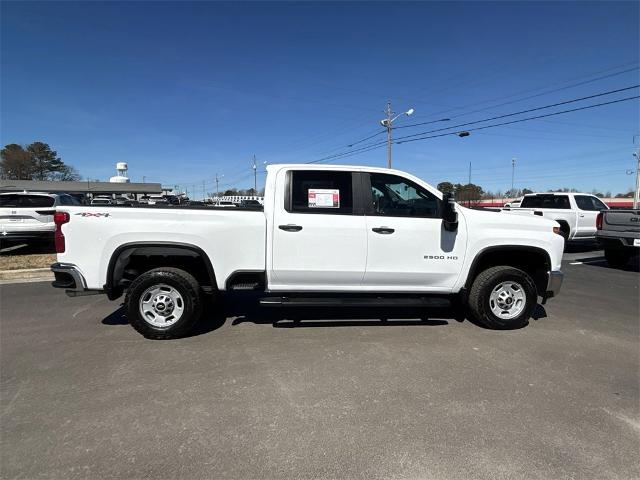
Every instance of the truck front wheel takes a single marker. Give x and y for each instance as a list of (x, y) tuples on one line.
[(502, 297), (164, 303)]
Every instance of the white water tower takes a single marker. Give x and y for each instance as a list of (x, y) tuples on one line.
[(122, 168)]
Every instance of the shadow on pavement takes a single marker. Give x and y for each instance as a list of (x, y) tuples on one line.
[(301, 317), (581, 247), (326, 317), (632, 265), (8, 247), (210, 321)]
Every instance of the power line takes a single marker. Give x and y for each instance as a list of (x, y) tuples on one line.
[(399, 140), (523, 92), (523, 119), (610, 92), (373, 135)]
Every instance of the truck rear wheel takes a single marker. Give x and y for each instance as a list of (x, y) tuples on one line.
[(164, 303), (502, 297)]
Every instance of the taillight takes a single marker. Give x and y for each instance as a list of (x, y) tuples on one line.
[(599, 221), (60, 218)]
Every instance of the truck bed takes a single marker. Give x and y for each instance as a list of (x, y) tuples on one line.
[(233, 238)]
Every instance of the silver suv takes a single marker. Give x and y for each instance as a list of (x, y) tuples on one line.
[(28, 216)]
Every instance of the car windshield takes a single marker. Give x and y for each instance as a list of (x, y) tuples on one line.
[(26, 201)]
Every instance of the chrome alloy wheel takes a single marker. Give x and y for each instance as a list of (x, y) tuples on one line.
[(507, 300), (161, 305)]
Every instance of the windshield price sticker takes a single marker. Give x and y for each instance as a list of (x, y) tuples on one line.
[(324, 198)]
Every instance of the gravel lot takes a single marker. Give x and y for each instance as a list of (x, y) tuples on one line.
[(344, 395)]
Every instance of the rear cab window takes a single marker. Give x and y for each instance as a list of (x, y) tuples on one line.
[(320, 191), (546, 201), (26, 201)]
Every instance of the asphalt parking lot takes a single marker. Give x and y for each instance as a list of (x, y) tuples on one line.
[(338, 395)]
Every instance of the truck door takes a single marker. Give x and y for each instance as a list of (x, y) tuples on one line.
[(588, 208), (409, 250), (319, 239)]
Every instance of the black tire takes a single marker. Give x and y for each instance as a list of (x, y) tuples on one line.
[(184, 283), (479, 300), (617, 257)]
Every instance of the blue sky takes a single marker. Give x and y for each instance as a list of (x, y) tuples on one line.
[(182, 91)]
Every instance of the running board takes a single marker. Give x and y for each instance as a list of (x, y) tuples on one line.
[(273, 301)]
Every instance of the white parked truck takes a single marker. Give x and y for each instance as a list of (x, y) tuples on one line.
[(328, 235), (575, 212)]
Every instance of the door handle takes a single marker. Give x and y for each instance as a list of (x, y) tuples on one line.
[(582, 215), (290, 228), (383, 230)]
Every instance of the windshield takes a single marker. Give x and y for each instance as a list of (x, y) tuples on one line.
[(26, 201)]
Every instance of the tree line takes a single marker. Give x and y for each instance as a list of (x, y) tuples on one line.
[(471, 193), (36, 161), (233, 192)]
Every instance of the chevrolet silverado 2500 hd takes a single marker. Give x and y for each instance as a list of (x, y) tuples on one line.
[(328, 234)]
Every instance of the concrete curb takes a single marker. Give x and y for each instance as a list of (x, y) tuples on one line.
[(27, 273)]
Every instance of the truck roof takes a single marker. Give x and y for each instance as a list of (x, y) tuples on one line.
[(557, 193), (315, 166)]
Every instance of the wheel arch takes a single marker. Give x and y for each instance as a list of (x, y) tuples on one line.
[(524, 257), (564, 226), (121, 256)]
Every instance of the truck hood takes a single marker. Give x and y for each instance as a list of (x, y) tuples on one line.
[(507, 219)]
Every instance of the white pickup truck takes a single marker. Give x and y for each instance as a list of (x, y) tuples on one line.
[(328, 235), (575, 212)]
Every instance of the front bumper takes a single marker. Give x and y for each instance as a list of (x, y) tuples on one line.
[(554, 284), (68, 276)]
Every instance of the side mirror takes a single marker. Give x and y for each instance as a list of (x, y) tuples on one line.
[(449, 214)]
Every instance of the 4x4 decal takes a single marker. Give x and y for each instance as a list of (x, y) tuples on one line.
[(91, 214)]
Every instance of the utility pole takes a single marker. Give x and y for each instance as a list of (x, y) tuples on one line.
[(217, 189), (388, 124), (255, 176), (203, 191), (469, 188), (513, 172), (636, 194), (389, 113)]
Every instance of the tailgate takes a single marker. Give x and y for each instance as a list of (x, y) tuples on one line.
[(622, 220), (26, 216)]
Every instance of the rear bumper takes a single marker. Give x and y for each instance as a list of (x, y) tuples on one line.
[(68, 276), (554, 284), (15, 235), (617, 241)]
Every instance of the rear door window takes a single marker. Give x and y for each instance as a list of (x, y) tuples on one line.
[(320, 191), (546, 201), (26, 201)]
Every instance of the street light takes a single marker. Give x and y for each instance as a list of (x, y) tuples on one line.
[(217, 189), (388, 124)]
